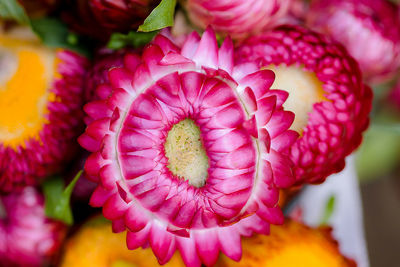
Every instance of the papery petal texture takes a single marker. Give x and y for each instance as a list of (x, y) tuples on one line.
[(246, 164), (237, 18), (369, 29), (335, 124), (27, 237)]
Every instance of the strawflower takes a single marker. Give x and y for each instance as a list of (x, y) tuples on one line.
[(190, 150), (41, 101), (326, 94)]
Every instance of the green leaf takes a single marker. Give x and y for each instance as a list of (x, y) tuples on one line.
[(135, 39), (57, 199), (12, 10), (329, 209), (162, 16), (55, 33)]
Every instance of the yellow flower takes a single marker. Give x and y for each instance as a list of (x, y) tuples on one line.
[(96, 245), (292, 244)]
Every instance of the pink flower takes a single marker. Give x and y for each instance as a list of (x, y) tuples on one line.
[(27, 237), (190, 150), (237, 18), (369, 29), (326, 94)]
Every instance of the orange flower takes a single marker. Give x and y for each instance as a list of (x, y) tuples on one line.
[(96, 245), (292, 244)]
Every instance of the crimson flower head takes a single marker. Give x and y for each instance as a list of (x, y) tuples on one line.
[(190, 150), (41, 102), (326, 93)]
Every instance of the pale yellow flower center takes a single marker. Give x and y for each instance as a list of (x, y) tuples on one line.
[(26, 72), (186, 155), (304, 88)]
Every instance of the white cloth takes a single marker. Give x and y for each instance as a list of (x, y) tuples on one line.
[(347, 217)]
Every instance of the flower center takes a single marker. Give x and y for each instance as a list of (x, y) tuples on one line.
[(186, 155), (25, 76), (304, 88)]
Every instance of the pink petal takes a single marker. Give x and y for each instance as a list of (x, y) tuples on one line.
[(207, 51), (162, 242), (99, 196), (188, 251), (135, 240), (190, 46), (136, 218), (207, 245), (225, 55), (229, 241), (115, 207)]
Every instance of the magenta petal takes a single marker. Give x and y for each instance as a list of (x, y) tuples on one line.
[(185, 215), (153, 199), (190, 46), (108, 176), (89, 143), (284, 141), (115, 207), (229, 241), (174, 59), (280, 122), (136, 218), (268, 196), (283, 176), (207, 51), (135, 240), (190, 82), (171, 207), (97, 110), (131, 140), (118, 226), (93, 165), (188, 251), (239, 159), (132, 61), (99, 196), (225, 55), (165, 44), (230, 142), (234, 200), (135, 166), (259, 81), (120, 78), (207, 246), (273, 215), (161, 242)]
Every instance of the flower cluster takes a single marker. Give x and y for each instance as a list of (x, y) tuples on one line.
[(194, 140)]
